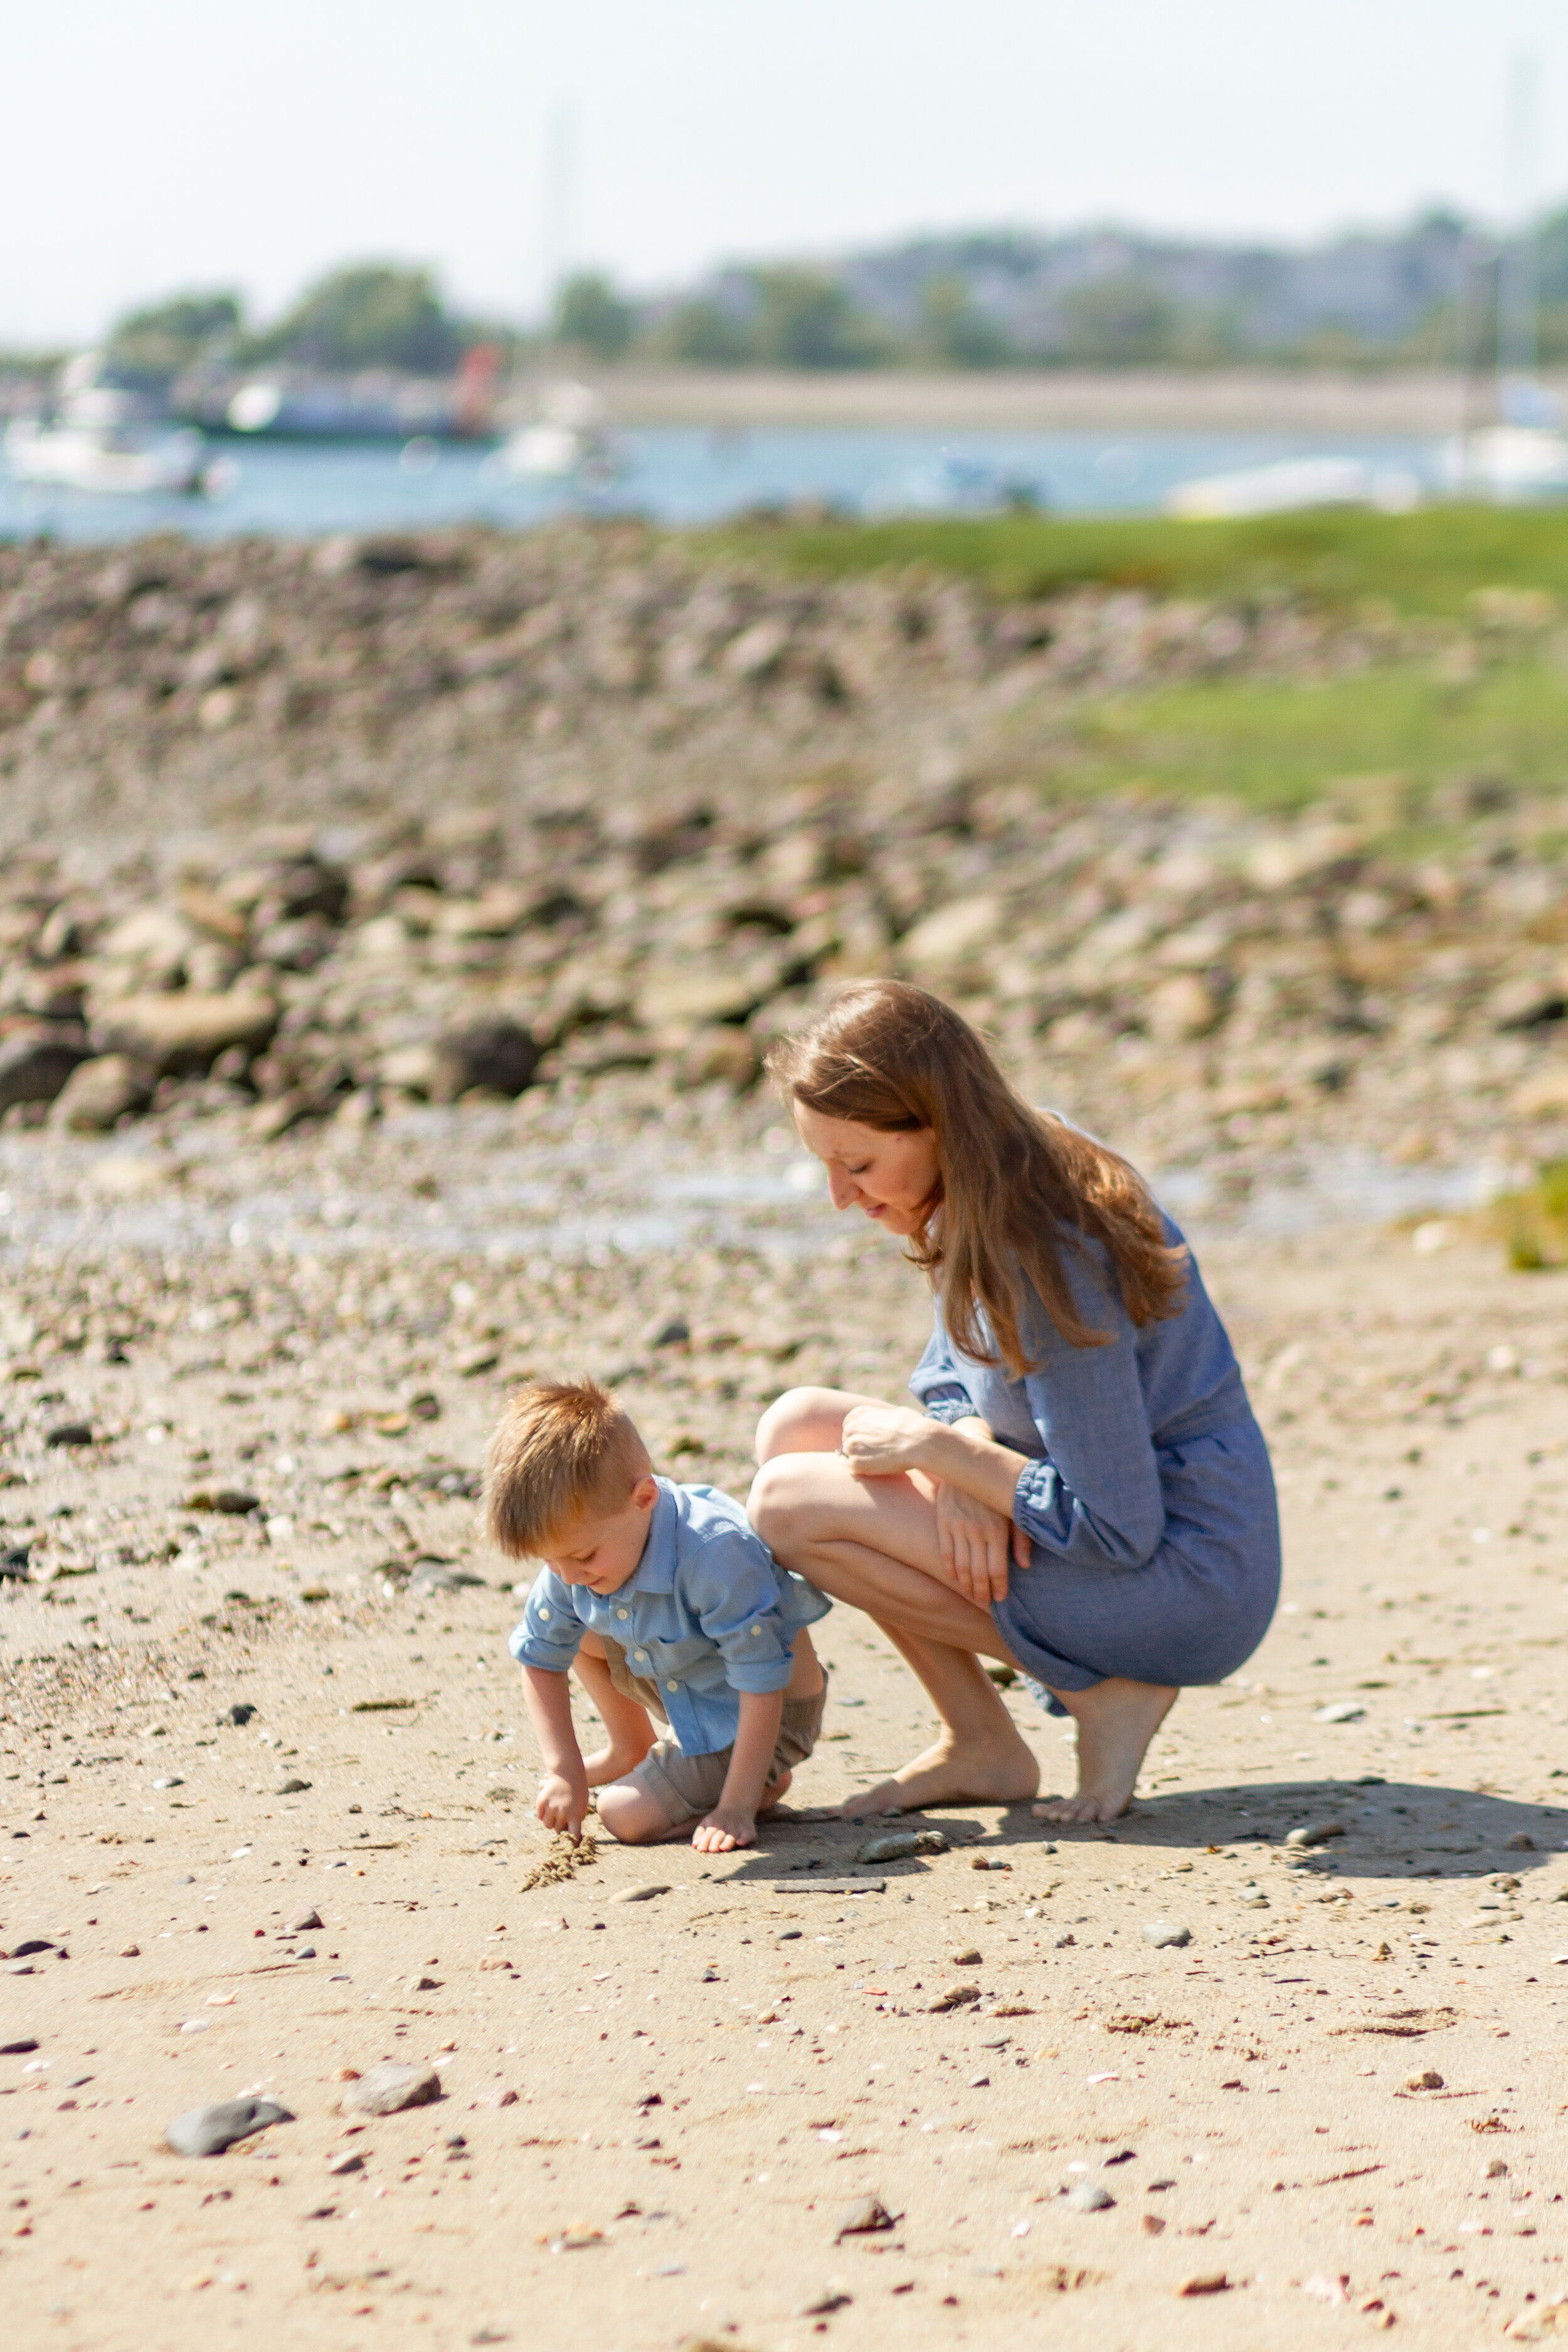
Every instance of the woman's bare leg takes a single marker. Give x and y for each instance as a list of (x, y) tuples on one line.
[(862, 1541), (627, 1727), (1116, 1720), (872, 1542)]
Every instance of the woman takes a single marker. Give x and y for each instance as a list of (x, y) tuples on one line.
[(1087, 1495)]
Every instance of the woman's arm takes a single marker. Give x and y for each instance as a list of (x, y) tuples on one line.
[(974, 1479)]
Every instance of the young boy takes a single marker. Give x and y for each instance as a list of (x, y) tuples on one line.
[(668, 1602)]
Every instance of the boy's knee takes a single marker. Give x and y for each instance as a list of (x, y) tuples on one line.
[(629, 1816), (801, 1420)]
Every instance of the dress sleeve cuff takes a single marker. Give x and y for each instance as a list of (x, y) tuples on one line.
[(1034, 1496), (949, 1403)]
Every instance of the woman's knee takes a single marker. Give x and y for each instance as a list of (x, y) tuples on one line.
[(802, 1421)]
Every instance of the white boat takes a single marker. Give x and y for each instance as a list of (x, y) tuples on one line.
[(1507, 463), (1292, 484), (97, 442), (570, 440)]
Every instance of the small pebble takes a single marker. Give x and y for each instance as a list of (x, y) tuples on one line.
[(1203, 2282), (1166, 1933), (385, 2090), (1315, 1834), (1090, 2197), (301, 1921), (1344, 1710), (207, 2131), (643, 1893), (866, 2215), (350, 2162), (1429, 2079)]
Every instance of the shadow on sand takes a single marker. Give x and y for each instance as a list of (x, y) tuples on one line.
[(1392, 1828)]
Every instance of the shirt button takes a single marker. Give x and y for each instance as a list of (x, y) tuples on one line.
[(673, 1687), (756, 1630), (640, 1653), (622, 1612)]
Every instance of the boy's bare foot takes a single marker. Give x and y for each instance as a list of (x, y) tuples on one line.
[(1003, 1770), (612, 1764), (1116, 1720)]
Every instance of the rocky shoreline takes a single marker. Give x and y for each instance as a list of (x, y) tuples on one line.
[(309, 833)]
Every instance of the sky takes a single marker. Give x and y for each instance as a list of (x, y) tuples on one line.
[(154, 145)]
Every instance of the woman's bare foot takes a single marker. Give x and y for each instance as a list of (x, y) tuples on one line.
[(1116, 1720), (1001, 1771), (612, 1764)]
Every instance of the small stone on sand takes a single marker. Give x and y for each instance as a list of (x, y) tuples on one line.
[(389, 2088), (207, 2131)]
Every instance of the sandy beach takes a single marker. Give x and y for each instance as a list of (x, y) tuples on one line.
[(258, 1677)]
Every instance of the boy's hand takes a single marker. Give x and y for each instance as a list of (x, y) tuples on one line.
[(725, 1828), (561, 1803)]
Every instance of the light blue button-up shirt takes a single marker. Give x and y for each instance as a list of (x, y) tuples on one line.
[(707, 1612)]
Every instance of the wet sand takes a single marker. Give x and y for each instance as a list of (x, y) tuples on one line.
[(654, 2140)]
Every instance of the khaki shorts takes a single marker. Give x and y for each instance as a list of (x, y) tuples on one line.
[(686, 1787)]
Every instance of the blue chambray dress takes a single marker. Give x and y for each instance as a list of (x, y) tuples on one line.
[(1147, 1493)]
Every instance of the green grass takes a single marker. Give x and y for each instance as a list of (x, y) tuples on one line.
[(1386, 740), (1426, 562)]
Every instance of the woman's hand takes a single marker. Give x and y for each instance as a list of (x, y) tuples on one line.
[(882, 1439), (975, 1543)]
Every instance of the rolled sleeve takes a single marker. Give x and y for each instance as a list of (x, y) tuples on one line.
[(734, 1596), (937, 1381), (549, 1633)]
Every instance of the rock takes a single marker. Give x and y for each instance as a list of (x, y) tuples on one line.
[(293, 1787), (1520, 1842), (689, 1000), (1090, 2197), (970, 1959), (499, 1056), (1344, 1710), (207, 2131), (18, 2047), (716, 1055), (1313, 1834), (866, 2215), (469, 1362), (945, 943), (820, 2306), (101, 1091), (387, 2089), (70, 1432), (897, 1845), (1428, 2080), (440, 1576), (185, 1031), (1166, 1934), (232, 1502), (756, 651), (667, 1332), (350, 2161), (35, 1065), (956, 1997), (1182, 1008), (1203, 2282), (642, 1893), (240, 1714)]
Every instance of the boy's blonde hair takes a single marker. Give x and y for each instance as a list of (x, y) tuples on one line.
[(563, 1449)]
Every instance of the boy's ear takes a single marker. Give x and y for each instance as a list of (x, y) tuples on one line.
[(645, 1494)]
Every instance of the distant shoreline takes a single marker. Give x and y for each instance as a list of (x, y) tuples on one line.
[(1230, 400)]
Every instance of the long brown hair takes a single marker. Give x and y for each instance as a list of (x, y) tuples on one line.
[(1014, 1182)]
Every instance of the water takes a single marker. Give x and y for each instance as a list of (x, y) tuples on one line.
[(680, 474), (516, 1199)]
